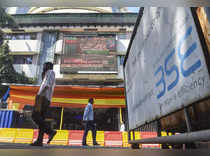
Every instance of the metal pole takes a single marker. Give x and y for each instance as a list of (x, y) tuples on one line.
[(187, 119), (133, 134), (121, 121), (61, 122), (158, 128), (129, 135), (191, 137)]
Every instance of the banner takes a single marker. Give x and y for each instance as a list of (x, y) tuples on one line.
[(71, 96), (166, 69)]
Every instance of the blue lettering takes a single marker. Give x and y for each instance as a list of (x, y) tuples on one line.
[(169, 71), (161, 81), (189, 51)]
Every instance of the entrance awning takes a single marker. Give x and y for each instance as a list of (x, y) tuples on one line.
[(71, 96)]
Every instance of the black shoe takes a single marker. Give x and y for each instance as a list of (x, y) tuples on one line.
[(96, 144), (36, 143), (51, 136), (84, 144)]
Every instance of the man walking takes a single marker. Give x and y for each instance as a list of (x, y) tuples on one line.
[(42, 103), (88, 118)]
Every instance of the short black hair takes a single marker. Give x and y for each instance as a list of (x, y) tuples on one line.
[(91, 100), (48, 65)]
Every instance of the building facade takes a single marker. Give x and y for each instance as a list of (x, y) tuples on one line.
[(87, 47), (101, 35)]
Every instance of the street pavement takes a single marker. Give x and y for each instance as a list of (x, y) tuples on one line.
[(46, 146), (14, 149)]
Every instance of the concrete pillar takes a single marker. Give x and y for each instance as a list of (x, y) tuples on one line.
[(47, 51)]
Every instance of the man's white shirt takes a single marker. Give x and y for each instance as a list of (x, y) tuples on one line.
[(49, 80), (122, 128)]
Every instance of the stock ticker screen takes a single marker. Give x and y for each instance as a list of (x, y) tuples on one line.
[(88, 53)]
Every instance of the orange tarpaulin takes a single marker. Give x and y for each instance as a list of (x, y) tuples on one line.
[(71, 96)]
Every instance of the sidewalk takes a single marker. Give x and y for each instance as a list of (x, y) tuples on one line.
[(46, 146)]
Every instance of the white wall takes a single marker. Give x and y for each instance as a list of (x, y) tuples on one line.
[(58, 46), (24, 46), (120, 72), (122, 45), (56, 69), (29, 69)]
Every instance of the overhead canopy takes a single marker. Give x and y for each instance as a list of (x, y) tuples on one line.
[(75, 19), (71, 96)]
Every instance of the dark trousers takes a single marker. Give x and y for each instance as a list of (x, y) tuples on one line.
[(89, 125), (39, 119)]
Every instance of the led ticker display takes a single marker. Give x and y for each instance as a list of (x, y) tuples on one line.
[(89, 53)]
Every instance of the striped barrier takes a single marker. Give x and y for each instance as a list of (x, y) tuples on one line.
[(35, 136), (145, 135), (113, 138), (7, 134), (61, 138), (99, 138), (24, 136), (75, 137), (166, 134), (125, 138)]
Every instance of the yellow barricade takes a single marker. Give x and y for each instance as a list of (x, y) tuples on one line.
[(7, 134), (125, 138), (137, 135), (61, 138), (99, 138), (163, 133), (24, 135)]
